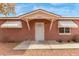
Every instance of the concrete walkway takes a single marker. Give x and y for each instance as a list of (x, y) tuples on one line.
[(45, 45)]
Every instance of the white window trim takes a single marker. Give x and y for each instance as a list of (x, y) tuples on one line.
[(64, 32)]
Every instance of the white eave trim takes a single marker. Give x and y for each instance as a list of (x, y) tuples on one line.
[(67, 18), (1, 18), (39, 10)]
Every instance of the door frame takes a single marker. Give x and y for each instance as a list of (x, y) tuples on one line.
[(42, 23)]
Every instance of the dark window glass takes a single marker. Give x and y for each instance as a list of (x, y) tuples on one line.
[(61, 30), (67, 30)]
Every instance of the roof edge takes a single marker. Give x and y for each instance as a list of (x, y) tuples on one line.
[(39, 10), (69, 18), (60, 17), (9, 18)]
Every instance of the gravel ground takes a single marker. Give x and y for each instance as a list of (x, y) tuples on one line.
[(7, 49)]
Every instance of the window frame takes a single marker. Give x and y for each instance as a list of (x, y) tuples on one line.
[(64, 31)]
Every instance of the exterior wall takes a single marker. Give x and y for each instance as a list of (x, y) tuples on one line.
[(46, 27), (55, 35), (15, 34)]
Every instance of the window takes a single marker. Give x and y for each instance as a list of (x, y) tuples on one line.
[(61, 30), (64, 31), (67, 30)]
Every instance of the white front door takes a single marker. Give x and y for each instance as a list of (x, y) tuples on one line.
[(39, 31)]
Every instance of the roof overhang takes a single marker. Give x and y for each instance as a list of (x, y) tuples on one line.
[(69, 18), (40, 14), (7, 18)]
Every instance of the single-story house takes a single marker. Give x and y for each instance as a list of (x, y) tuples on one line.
[(38, 25)]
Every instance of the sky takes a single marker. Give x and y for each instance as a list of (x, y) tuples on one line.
[(63, 9)]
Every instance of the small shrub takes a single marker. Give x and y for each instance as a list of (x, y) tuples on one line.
[(68, 41), (60, 41), (75, 38)]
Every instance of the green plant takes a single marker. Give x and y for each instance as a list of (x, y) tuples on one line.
[(68, 41), (75, 38), (60, 41)]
